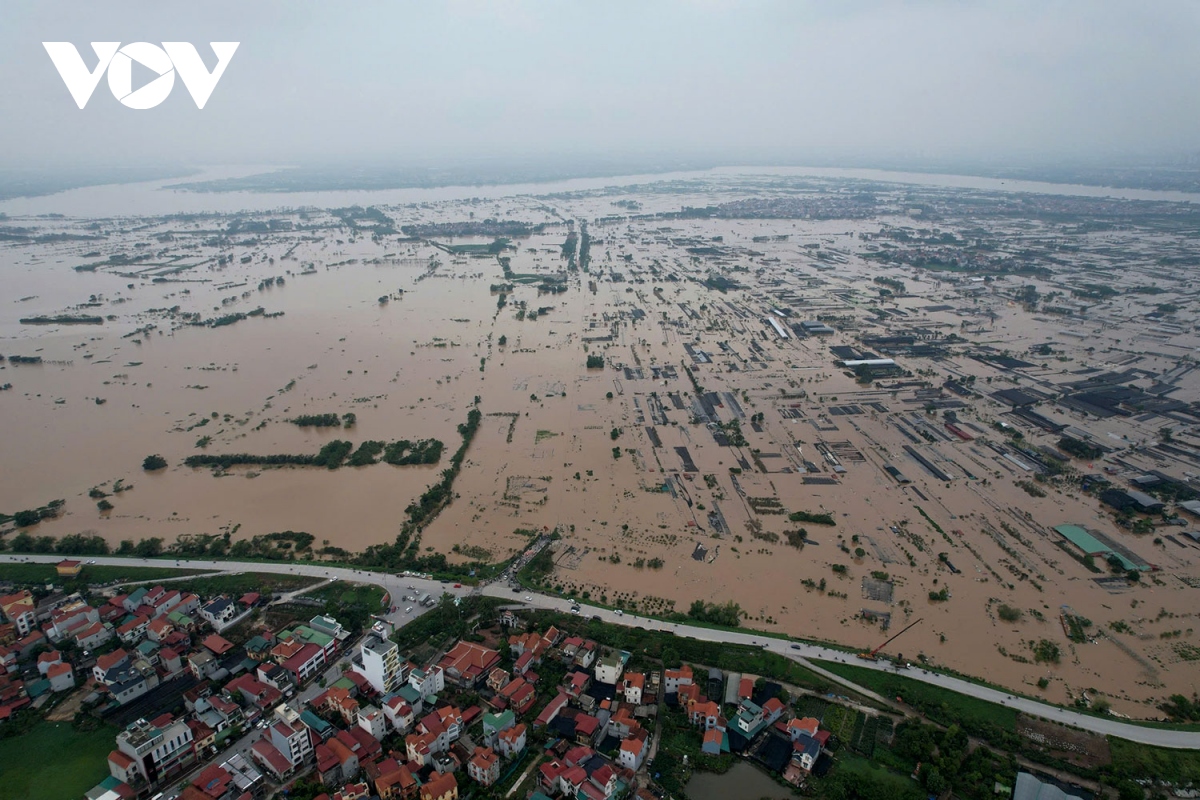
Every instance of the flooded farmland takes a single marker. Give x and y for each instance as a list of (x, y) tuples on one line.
[(840, 403)]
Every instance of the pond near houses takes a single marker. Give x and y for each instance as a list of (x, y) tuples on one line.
[(741, 782)]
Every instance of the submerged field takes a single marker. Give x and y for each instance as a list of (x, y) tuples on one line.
[(648, 389)]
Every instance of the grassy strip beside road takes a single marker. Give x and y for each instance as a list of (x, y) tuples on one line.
[(1134, 761), (236, 584), (92, 574), (994, 723)]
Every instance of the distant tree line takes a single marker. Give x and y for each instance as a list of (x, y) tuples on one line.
[(317, 421), (325, 420), (332, 455)]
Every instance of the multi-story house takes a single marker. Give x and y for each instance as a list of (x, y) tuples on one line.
[(484, 766), (399, 713), (609, 668), (633, 686), (511, 741), (219, 612), (371, 720), (293, 740), (20, 610), (674, 678), (160, 748), (430, 683), (382, 666)]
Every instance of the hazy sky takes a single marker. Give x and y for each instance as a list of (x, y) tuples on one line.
[(414, 81)]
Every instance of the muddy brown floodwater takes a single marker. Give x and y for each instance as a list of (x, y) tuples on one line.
[(406, 333)]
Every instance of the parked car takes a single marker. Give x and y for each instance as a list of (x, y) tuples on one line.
[(408, 610)]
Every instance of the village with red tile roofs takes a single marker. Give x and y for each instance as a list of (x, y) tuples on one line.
[(213, 704)]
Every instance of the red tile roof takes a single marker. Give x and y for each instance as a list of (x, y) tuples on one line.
[(110, 660), (269, 753), (213, 780), (470, 660), (218, 644), (439, 786)]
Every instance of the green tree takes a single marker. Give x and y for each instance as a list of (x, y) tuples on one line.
[(148, 548), (1046, 651), (1008, 613), (933, 780), (154, 462)]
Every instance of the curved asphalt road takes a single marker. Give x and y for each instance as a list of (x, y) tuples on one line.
[(397, 585)]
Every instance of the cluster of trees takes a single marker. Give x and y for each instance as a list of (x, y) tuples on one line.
[(569, 247), (227, 460), (892, 283), (726, 614), (1079, 449), (721, 284), (281, 545), (1179, 707), (367, 453), (404, 452), (229, 319), (1008, 613), (76, 544), (332, 455), (816, 519), (317, 421), (595, 362), (733, 430), (1046, 651), (325, 420), (154, 462), (32, 516), (947, 762), (278, 546)]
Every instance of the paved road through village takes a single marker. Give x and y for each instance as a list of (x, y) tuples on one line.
[(398, 585)]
